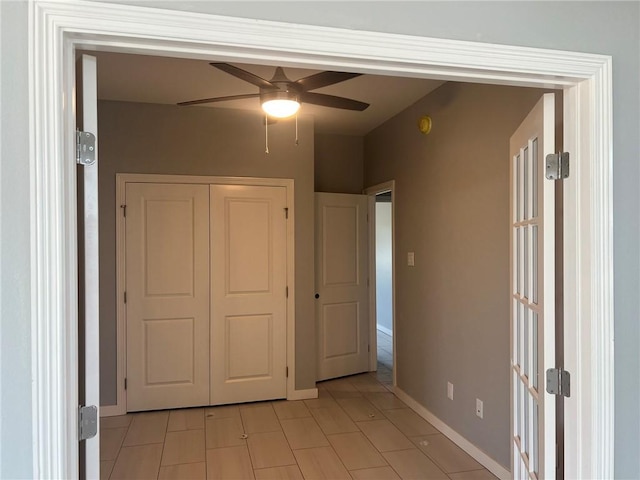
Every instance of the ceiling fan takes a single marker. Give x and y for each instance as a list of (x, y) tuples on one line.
[(281, 97)]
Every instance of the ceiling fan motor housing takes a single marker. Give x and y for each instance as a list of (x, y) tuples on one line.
[(286, 91)]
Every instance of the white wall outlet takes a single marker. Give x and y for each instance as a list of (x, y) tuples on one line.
[(450, 390), (411, 259), (479, 408)]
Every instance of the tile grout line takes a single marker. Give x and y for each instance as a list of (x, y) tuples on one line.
[(426, 454), (286, 439), (406, 436), (164, 441), (120, 449), (246, 439), (360, 431)]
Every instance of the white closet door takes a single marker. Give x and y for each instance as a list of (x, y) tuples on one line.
[(248, 295), (167, 277), (533, 295), (342, 305)]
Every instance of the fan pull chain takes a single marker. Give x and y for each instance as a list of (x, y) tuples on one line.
[(266, 133), (297, 130)]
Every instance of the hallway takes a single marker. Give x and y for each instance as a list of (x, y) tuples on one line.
[(385, 359)]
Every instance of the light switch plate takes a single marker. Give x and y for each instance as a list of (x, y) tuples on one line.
[(411, 259)]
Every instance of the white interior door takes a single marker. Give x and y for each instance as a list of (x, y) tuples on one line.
[(248, 295), (89, 346), (167, 288), (342, 292), (533, 295)]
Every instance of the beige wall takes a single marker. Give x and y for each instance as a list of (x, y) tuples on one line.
[(145, 138), (452, 210), (338, 163)]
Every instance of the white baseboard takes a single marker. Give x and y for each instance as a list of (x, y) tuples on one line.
[(112, 410), (303, 394), (480, 456), (384, 330), (115, 410)]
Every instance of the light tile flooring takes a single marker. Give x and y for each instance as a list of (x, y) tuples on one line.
[(385, 358), (356, 429)]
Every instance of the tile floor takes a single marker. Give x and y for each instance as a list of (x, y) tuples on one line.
[(385, 358), (356, 429)]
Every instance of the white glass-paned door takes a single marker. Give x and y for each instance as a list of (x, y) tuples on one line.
[(533, 294)]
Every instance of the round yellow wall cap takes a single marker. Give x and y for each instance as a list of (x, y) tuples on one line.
[(424, 124)]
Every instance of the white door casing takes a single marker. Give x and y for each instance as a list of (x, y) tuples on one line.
[(167, 307), (532, 294), (342, 306), (87, 101), (248, 293), (57, 29)]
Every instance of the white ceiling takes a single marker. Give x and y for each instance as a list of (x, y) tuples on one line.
[(150, 79)]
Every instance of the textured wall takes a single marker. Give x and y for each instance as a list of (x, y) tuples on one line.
[(338, 163), (452, 210), (15, 260)]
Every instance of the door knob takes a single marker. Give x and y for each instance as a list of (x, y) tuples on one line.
[(317, 295)]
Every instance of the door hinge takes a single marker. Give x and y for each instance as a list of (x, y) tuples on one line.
[(125, 297), (124, 210), (368, 348), (557, 166), (286, 212), (125, 383), (287, 372), (87, 422), (286, 291), (85, 148), (558, 382)]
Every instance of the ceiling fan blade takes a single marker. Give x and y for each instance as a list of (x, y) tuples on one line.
[(332, 101), (219, 99), (244, 75), (324, 79)]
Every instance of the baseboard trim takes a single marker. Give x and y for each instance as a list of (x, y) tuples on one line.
[(480, 456), (115, 410), (303, 394), (112, 410), (384, 330)]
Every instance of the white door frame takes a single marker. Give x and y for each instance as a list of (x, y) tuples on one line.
[(372, 191), (56, 29), (121, 181)]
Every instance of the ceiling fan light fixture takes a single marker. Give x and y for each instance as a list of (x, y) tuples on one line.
[(280, 108), (280, 104)]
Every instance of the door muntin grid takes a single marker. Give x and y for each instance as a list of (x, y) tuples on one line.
[(527, 311)]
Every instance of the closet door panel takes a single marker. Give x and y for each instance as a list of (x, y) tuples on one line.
[(167, 285), (248, 296)]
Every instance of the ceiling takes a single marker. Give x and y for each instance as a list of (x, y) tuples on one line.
[(151, 79)]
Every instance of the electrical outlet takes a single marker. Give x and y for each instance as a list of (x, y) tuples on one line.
[(479, 408), (450, 390)]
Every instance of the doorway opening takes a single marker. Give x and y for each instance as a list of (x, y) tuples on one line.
[(382, 289), (51, 363), (384, 286)]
